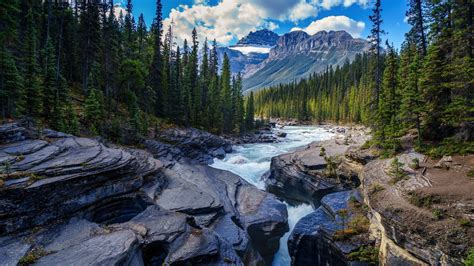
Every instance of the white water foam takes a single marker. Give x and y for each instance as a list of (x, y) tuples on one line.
[(251, 161)]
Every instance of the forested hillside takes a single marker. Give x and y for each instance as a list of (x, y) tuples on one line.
[(428, 85), (80, 66)]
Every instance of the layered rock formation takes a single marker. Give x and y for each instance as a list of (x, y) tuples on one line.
[(75, 201), (302, 176), (322, 230), (420, 210), (425, 217), (188, 144)]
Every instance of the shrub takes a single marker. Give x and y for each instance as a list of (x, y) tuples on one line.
[(464, 222), (366, 254), (376, 187), (469, 261), (322, 152), (471, 173), (331, 167), (438, 214), (360, 224), (416, 164), (422, 201), (396, 171), (33, 256)]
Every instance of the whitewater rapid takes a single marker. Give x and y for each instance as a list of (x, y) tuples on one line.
[(251, 161)]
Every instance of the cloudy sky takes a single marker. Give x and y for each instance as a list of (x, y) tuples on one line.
[(229, 20)]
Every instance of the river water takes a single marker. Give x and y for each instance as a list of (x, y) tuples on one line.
[(251, 161)]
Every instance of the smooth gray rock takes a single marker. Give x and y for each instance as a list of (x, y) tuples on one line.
[(116, 248)]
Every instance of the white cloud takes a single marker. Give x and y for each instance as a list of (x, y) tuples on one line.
[(201, 2), (303, 10), (355, 28), (229, 20), (328, 4)]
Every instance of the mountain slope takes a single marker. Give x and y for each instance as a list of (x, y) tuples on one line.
[(298, 55), (250, 51)]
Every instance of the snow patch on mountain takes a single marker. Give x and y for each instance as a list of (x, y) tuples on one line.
[(246, 50)]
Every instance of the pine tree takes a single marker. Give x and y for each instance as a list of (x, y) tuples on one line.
[(193, 79), (376, 48), (204, 82), (51, 95), (93, 110), (31, 69), (226, 96), (129, 27), (249, 112), (416, 18), (156, 65), (141, 36), (238, 108), (12, 94), (389, 101)]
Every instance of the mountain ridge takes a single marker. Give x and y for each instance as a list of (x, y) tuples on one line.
[(298, 55)]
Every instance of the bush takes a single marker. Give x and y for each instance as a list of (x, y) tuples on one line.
[(438, 214), (376, 187), (471, 173), (396, 171), (416, 164), (469, 261), (422, 201), (322, 152), (360, 224), (464, 222), (366, 254)]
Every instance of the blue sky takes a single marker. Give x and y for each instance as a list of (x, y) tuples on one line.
[(229, 20)]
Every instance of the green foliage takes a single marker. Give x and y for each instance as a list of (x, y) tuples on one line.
[(376, 187), (449, 146), (425, 201), (437, 213), (93, 112), (331, 166), (322, 152), (32, 256), (471, 173), (464, 222), (469, 261), (366, 254), (396, 171)]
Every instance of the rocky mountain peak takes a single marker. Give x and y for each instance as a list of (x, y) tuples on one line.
[(261, 37)]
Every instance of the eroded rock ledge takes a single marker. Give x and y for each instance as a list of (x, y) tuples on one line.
[(75, 201), (301, 176), (423, 217)]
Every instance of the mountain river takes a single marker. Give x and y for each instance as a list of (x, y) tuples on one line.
[(251, 161)]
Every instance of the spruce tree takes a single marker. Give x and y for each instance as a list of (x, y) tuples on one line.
[(31, 72), (156, 65), (249, 112), (375, 38), (226, 96)]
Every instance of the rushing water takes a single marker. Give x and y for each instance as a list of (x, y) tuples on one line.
[(251, 161)]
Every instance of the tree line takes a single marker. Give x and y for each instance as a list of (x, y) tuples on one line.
[(75, 65), (428, 85)]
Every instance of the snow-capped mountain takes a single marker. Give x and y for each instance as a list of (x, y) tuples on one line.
[(267, 59), (250, 50)]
